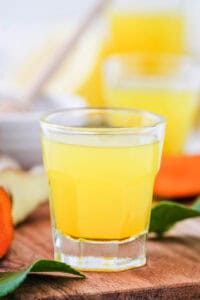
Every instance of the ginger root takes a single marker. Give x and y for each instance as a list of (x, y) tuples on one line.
[(27, 188)]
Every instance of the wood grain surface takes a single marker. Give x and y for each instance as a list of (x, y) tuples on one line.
[(172, 270)]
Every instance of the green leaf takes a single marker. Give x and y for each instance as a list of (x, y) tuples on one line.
[(167, 213), (9, 281), (196, 205)]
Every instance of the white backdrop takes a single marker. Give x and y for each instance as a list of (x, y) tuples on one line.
[(23, 23)]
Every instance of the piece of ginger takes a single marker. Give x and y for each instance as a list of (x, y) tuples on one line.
[(27, 188)]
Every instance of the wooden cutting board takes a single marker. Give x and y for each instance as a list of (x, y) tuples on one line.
[(172, 271)]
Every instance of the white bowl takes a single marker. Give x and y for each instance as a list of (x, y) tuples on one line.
[(20, 132)]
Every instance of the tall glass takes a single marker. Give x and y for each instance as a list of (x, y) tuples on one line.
[(101, 165), (162, 83), (148, 26)]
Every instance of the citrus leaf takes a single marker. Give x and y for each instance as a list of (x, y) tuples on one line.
[(196, 205), (167, 213), (9, 281)]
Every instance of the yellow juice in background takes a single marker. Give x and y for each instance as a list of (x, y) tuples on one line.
[(134, 31), (101, 192), (150, 31), (178, 106)]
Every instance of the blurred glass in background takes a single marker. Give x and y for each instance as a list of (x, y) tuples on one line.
[(148, 26), (167, 84), (25, 25), (32, 31)]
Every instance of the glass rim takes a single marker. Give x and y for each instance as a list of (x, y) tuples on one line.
[(171, 70), (45, 123), (166, 57)]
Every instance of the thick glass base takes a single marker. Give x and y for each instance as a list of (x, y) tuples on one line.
[(91, 255)]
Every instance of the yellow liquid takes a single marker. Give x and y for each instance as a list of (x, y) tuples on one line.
[(147, 32), (101, 192), (178, 107)]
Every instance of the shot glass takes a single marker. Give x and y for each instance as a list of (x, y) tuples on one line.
[(101, 164), (162, 83)]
